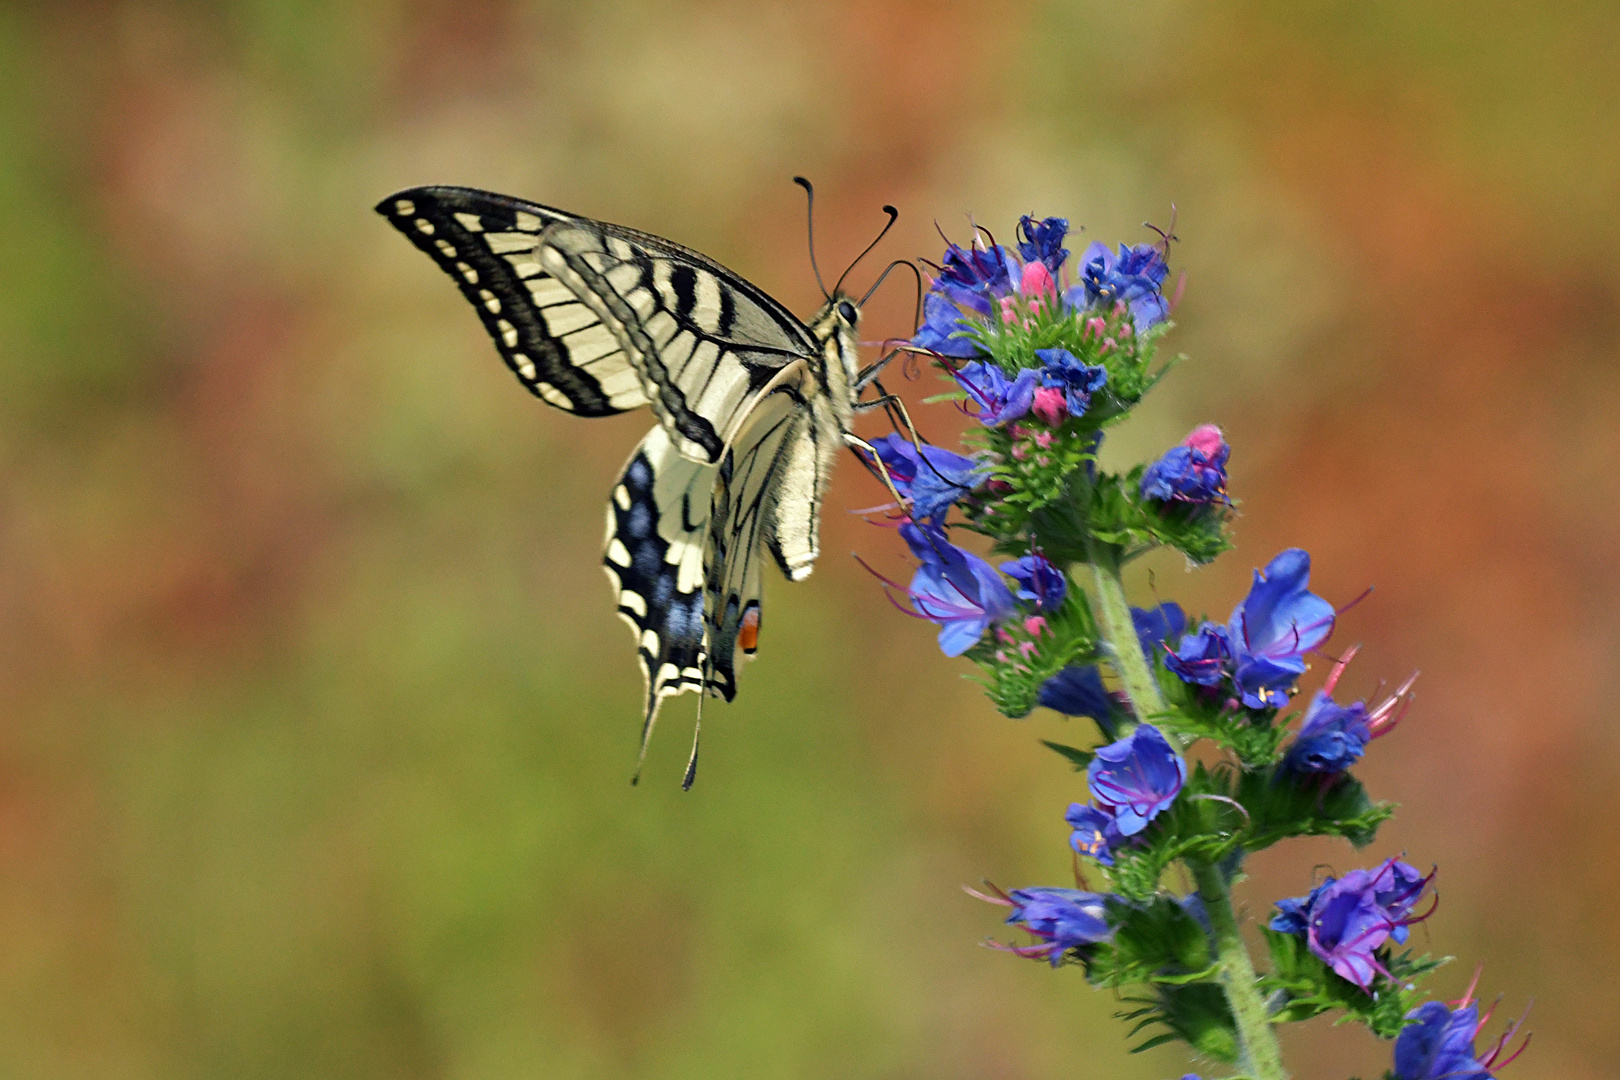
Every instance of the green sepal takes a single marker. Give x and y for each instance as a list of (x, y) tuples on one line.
[(1013, 680), (1120, 516), (1207, 829), (1197, 1014), (1251, 734), (1304, 986), (1155, 941), (1282, 804)]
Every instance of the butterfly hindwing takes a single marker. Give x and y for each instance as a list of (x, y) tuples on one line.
[(489, 245), (746, 488), (658, 518)]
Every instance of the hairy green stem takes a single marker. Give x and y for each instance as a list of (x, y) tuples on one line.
[(1140, 685), (1262, 1058)]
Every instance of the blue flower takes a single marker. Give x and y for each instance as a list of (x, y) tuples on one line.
[(956, 589), (1042, 241), (1194, 471), (1346, 920), (991, 271), (1137, 777), (933, 480), (1078, 690), (943, 328), (1132, 277), (1439, 1044), (1157, 626), (1332, 738), (1063, 919), (1202, 658), (1293, 915), (1038, 580), (1096, 832), (1274, 627), (1063, 371), (997, 399)]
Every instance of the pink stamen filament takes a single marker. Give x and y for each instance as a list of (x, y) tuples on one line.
[(1338, 669)]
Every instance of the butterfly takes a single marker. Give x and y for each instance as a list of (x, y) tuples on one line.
[(753, 407)]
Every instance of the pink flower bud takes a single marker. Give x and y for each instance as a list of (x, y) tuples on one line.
[(1096, 326), (1049, 405), (1206, 439), (1035, 625), (1037, 282)]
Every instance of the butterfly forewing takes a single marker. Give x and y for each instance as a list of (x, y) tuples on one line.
[(703, 340), (489, 245)]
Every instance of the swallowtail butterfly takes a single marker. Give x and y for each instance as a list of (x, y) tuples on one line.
[(752, 407)]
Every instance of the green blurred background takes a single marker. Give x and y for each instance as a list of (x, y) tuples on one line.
[(316, 718)]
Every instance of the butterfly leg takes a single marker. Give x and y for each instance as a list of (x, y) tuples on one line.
[(855, 443), (869, 374)]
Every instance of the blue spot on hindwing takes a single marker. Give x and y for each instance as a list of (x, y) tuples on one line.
[(646, 560)]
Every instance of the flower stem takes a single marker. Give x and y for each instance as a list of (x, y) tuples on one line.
[(1262, 1058), (1140, 685)]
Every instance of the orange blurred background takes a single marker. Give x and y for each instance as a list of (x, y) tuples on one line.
[(317, 720)]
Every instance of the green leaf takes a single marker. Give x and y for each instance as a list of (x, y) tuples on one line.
[(1081, 759)]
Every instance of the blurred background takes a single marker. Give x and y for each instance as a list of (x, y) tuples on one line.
[(317, 722)]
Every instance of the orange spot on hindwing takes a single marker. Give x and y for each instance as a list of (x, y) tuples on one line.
[(748, 633)]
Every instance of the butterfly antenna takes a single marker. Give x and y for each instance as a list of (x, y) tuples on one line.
[(810, 214), (894, 215), (887, 270)]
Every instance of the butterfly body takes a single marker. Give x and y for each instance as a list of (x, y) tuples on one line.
[(753, 407)]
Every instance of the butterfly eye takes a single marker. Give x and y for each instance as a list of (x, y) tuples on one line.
[(847, 312)]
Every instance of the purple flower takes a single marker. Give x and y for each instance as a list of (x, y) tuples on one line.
[(1439, 1043), (1063, 371), (1194, 471), (1202, 658), (1038, 580), (933, 480), (1275, 626), (1137, 777), (1096, 832), (1063, 919), (956, 589), (1132, 277), (1332, 738), (1346, 920), (997, 398), (1042, 241), (943, 328), (1156, 626)]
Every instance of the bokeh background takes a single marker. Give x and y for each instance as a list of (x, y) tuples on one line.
[(317, 721)]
